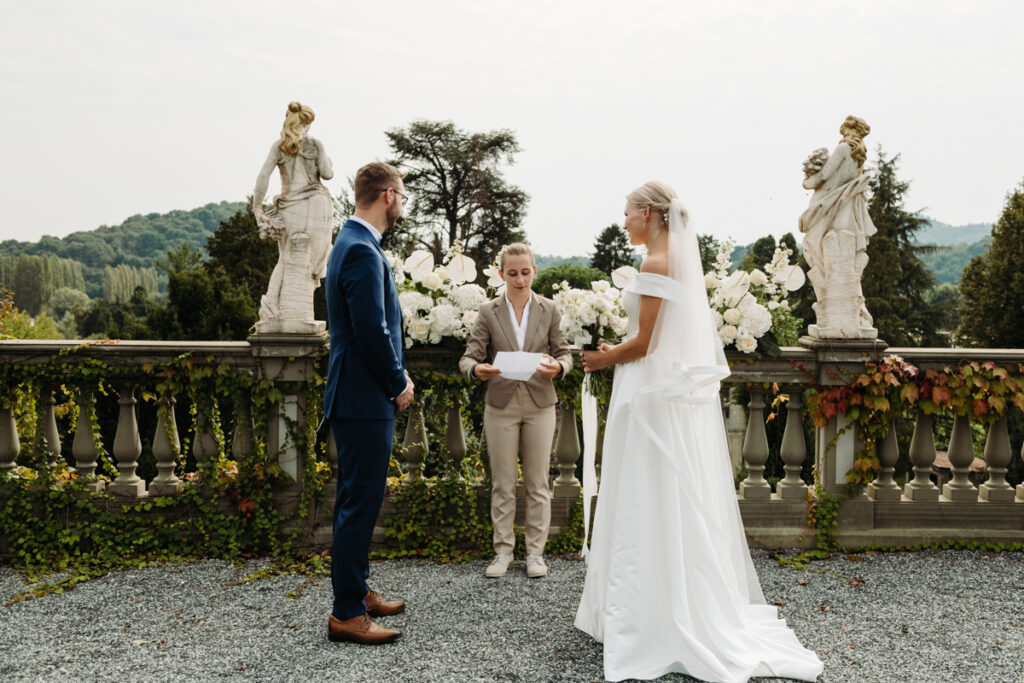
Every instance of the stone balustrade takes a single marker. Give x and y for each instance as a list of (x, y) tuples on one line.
[(774, 512)]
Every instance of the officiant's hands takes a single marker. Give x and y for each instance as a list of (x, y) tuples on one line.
[(485, 371), (595, 360), (548, 367)]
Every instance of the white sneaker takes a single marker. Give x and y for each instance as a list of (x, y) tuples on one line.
[(498, 566), (535, 567)]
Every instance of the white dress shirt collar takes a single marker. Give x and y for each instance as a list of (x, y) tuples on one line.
[(377, 235), (519, 328)]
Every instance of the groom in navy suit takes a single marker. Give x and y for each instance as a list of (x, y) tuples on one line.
[(366, 386)]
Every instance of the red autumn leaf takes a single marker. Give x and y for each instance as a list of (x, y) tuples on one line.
[(979, 407), (941, 394)]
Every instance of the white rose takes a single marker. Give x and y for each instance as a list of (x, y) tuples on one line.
[(758, 278), (432, 280), (746, 343), (732, 316), (469, 319), (710, 281), (419, 328), (727, 333)]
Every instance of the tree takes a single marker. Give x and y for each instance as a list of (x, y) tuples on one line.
[(708, 247), (993, 283), (612, 250), (895, 280), (237, 236), (760, 254), (578, 277), (458, 189)]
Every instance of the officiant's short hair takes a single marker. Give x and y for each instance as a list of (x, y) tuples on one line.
[(372, 179)]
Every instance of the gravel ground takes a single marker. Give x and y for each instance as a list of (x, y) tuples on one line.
[(930, 616)]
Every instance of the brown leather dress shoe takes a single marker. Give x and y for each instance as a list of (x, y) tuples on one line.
[(376, 607), (361, 629)]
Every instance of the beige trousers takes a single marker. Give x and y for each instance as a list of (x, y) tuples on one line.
[(520, 429)]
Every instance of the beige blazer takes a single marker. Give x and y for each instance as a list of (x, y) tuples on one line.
[(494, 332)]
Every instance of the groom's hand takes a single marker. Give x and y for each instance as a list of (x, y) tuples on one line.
[(404, 399)]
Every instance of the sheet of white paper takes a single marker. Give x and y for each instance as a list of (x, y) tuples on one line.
[(517, 365)]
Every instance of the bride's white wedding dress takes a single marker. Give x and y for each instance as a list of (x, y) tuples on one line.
[(670, 585)]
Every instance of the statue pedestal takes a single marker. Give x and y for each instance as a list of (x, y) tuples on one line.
[(288, 360), (296, 327)]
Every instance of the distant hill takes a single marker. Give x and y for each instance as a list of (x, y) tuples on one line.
[(943, 234), (543, 261), (947, 263), (139, 241)]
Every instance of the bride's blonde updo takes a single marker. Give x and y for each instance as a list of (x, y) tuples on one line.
[(291, 137), (657, 196)]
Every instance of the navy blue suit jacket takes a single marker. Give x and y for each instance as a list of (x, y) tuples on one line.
[(366, 367)]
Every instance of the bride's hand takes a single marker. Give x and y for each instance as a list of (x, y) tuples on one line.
[(595, 360)]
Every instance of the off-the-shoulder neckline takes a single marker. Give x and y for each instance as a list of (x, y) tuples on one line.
[(654, 275)]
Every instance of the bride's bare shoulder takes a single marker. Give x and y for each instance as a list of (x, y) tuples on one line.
[(655, 263)]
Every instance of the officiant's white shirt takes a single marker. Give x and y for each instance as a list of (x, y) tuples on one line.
[(520, 328)]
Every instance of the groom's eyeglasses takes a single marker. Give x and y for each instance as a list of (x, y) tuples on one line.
[(405, 198)]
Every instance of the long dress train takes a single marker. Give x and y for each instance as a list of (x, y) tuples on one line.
[(670, 585)]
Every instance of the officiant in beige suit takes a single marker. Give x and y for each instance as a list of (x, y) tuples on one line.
[(519, 418)]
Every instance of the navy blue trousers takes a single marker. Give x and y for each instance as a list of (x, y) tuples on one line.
[(364, 450)]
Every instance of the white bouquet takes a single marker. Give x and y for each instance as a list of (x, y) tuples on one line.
[(590, 315), (751, 309), (438, 303)]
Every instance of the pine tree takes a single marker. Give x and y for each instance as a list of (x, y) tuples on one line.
[(896, 281), (612, 250), (992, 313)]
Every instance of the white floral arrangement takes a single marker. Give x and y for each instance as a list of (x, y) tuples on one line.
[(751, 309), (439, 302), (590, 315)]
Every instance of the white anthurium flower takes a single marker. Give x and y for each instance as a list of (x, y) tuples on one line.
[(493, 276), (461, 269), (735, 287), (418, 264), (791, 277), (623, 275)]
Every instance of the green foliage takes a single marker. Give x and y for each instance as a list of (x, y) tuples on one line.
[(760, 254), (458, 189), (246, 259), (105, 319), (708, 246), (543, 262), (947, 263), (895, 280), (16, 324), (993, 283), (120, 282), (612, 250), (34, 279), (138, 242), (577, 276)]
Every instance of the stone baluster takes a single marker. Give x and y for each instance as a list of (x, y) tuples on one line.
[(127, 448), (415, 445), (84, 445), (794, 450), (10, 446), (961, 455), (204, 443), (243, 443), (567, 453), (884, 488), (51, 437), (755, 450), (922, 455), (997, 457), (166, 448), (455, 439), (1020, 486)]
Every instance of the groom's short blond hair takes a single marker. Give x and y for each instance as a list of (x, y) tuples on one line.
[(372, 179)]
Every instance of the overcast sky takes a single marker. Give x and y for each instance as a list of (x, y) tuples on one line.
[(114, 108)]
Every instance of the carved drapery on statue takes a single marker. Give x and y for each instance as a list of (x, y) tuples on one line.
[(836, 229), (300, 221)]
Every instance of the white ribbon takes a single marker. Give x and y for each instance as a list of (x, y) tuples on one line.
[(588, 402)]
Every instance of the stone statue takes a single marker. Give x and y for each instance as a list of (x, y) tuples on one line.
[(300, 222), (836, 229)]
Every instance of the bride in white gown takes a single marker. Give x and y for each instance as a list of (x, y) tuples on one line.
[(670, 586)]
